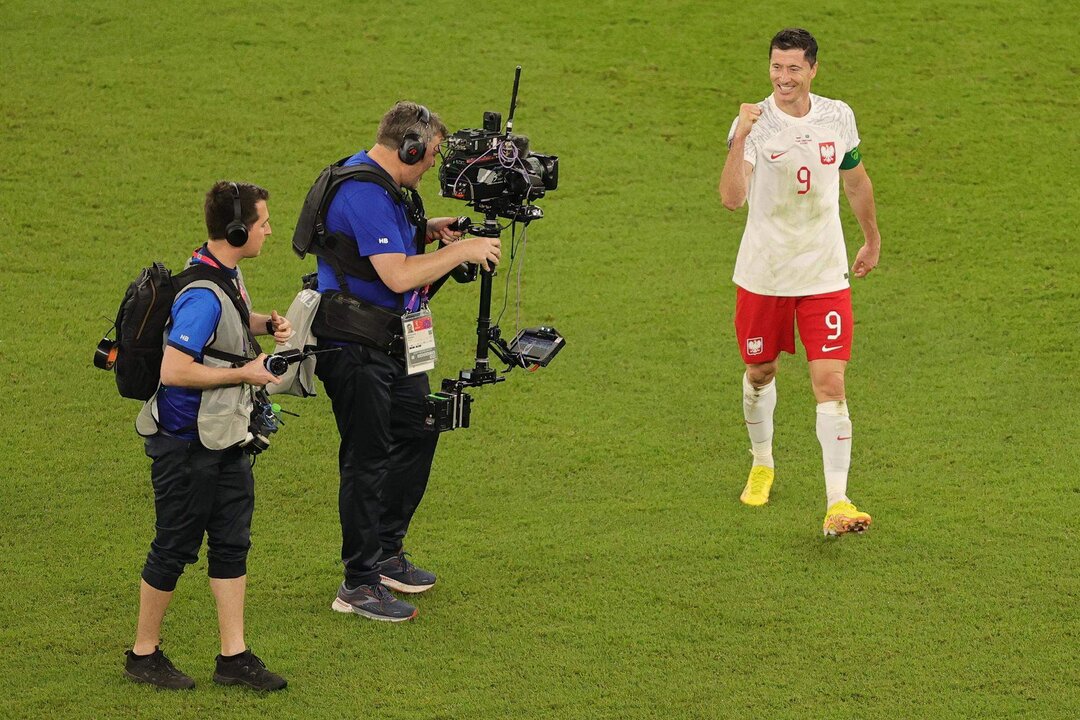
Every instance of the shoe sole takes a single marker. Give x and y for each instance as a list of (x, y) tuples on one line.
[(846, 525), (341, 606), (222, 680), (402, 587), (144, 681), (753, 503)]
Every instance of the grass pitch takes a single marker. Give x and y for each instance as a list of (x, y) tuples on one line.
[(594, 560)]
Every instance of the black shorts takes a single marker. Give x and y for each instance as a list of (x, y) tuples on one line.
[(198, 492)]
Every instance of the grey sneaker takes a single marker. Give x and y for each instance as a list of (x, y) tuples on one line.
[(157, 670), (398, 573), (372, 601)]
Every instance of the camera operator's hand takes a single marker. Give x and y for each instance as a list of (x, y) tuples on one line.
[(272, 324), (255, 372), (439, 229), (483, 250), (282, 327)]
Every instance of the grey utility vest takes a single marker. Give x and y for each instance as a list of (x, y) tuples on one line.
[(224, 412)]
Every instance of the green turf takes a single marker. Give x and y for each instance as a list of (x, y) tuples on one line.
[(594, 560)]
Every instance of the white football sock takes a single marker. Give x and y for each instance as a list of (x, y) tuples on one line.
[(758, 406), (834, 434)]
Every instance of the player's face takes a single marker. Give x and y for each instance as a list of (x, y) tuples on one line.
[(413, 173), (257, 233), (790, 74)]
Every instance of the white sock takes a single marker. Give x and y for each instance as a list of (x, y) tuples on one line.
[(758, 406), (834, 434)]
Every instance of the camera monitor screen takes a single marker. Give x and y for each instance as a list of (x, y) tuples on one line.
[(536, 346)]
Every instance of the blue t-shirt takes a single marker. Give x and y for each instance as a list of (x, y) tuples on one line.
[(377, 222), (192, 324)]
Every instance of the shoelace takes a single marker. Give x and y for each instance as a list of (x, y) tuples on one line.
[(757, 483), (383, 594)]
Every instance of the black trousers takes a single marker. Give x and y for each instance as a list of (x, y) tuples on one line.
[(385, 454), (198, 491)]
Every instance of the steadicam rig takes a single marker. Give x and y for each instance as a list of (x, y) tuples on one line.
[(493, 171)]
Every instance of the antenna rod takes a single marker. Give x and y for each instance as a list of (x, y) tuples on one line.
[(513, 101)]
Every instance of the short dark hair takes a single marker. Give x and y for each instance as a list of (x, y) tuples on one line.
[(402, 118), (218, 207), (796, 38)]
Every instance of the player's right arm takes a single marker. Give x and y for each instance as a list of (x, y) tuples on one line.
[(735, 177)]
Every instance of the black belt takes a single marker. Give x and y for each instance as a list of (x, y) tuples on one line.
[(343, 317)]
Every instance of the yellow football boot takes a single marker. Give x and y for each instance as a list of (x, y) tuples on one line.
[(758, 485), (843, 517)]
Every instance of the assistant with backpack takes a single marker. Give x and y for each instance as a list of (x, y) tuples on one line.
[(186, 344)]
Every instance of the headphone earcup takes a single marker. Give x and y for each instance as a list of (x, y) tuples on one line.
[(236, 233), (412, 149)]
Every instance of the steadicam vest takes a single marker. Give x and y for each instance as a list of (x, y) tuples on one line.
[(225, 412)]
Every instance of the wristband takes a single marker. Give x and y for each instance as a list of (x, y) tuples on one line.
[(269, 326)]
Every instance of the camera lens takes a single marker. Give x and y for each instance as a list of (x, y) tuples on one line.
[(276, 364)]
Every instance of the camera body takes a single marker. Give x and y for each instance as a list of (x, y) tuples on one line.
[(496, 172), (264, 423)]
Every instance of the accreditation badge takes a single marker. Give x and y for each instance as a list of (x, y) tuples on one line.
[(419, 336)]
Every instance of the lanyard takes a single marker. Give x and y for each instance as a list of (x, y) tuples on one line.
[(198, 257), (422, 294), (205, 259)]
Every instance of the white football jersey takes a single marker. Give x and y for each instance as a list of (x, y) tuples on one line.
[(793, 244)]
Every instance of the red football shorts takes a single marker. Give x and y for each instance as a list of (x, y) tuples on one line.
[(765, 325)]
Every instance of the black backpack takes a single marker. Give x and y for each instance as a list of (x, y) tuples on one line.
[(311, 235), (140, 323)]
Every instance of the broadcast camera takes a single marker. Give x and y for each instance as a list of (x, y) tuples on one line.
[(493, 171)]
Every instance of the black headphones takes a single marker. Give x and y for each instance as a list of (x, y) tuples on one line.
[(413, 149), (236, 231)]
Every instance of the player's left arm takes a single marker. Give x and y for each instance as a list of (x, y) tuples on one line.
[(860, 194)]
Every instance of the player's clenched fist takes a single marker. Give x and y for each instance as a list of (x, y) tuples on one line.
[(748, 115)]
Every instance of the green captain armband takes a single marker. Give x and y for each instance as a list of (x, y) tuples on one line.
[(851, 159)]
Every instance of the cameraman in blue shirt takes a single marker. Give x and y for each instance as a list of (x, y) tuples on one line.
[(377, 393)]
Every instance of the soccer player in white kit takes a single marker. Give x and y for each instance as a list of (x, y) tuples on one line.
[(787, 156)]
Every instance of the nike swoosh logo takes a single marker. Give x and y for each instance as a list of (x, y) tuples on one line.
[(826, 348), (843, 438), (776, 155)]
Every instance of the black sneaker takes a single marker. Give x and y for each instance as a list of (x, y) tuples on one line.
[(398, 573), (157, 670), (247, 669), (373, 601)]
